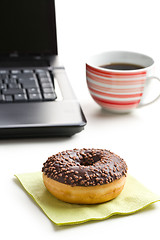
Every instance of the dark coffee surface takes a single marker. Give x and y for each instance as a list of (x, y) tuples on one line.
[(122, 66)]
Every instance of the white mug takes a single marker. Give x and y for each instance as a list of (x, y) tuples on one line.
[(119, 90)]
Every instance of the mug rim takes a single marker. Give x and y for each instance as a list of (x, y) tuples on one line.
[(88, 62)]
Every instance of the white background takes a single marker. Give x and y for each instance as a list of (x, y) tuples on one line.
[(86, 27)]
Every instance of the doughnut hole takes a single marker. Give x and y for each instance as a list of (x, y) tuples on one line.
[(90, 159)]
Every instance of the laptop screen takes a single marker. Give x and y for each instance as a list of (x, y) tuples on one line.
[(27, 27)]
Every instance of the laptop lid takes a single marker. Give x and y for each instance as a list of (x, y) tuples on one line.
[(28, 30)]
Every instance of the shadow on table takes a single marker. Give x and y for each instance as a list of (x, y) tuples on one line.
[(95, 113)]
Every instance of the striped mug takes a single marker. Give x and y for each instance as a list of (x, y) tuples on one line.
[(119, 90)]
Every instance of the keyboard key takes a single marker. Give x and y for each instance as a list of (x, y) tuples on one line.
[(47, 85), (3, 86), (45, 80), (25, 80), (3, 76), (2, 98), (12, 91), (3, 71), (40, 70), (14, 85), (48, 90), (35, 96), (27, 75), (43, 73), (15, 71), (33, 90), (31, 83), (6, 80), (12, 80), (13, 76), (8, 98), (28, 71), (49, 96), (20, 97)]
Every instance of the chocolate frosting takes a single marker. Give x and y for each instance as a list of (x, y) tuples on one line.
[(85, 167)]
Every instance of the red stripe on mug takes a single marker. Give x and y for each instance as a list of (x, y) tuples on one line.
[(100, 100), (117, 107), (116, 95), (115, 82), (115, 90)]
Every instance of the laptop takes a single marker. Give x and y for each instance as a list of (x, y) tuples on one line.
[(36, 99)]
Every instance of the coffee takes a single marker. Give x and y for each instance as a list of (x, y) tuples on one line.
[(122, 66)]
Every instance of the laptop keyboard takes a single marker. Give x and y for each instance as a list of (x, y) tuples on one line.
[(26, 86)]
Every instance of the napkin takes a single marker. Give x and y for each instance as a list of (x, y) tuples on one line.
[(133, 198)]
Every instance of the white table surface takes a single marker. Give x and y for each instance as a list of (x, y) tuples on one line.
[(84, 28)]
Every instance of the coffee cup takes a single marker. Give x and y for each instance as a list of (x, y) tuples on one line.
[(117, 79)]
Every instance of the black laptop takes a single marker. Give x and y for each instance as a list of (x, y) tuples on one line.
[(36, 99)]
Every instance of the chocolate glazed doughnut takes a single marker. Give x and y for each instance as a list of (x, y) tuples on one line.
[(85, 176)]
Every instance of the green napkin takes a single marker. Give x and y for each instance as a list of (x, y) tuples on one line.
[(133, 198)]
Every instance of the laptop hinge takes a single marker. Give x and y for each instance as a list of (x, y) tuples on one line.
[(23, 63)]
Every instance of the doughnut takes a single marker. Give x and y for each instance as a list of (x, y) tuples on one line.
[(85, 176)]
